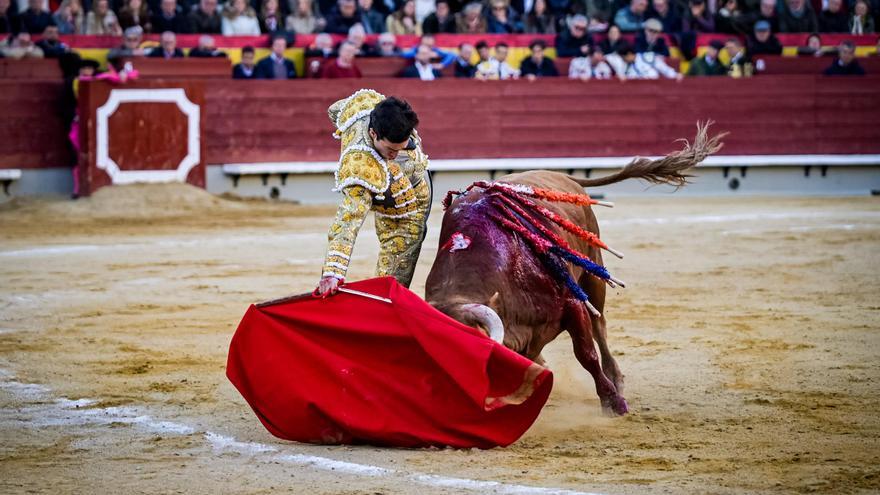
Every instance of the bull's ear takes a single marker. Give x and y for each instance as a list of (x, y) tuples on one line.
[(493, 301)]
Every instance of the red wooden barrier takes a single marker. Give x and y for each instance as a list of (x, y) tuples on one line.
[(265, 121), (810, 65), (141, 132)]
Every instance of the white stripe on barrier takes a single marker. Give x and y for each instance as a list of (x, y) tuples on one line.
[(564, 163)]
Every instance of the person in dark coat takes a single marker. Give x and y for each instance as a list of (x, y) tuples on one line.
[(246, 69), (422, 68), (537, 65), (797, 16), (10, 21), (50, 44), (833, 19), (206, 48), (343, 17), (205, 19), (167, 48), (35, 20), (440, 21), (276, 66), (651, 39), (845, 64), (762, 41), (463, 66), (575, 42), (169, 19)]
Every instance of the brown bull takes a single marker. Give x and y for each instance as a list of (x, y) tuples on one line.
[(495, 280)]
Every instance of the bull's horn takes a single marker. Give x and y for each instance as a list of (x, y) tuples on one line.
[(488, 318)]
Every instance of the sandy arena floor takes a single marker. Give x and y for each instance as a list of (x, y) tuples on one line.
[(750, 337)]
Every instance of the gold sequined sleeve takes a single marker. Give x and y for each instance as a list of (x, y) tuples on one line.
[(334, 109), (350, 216)]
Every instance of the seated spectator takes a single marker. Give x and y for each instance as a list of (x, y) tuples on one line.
[(763, 42), (738, 64), (497, 67), (135, 14), (387, 46), (20, 46), (168, 19), (276, 66), (246, 69), (592, 67), (600, 12), (322, 47), (206, 48), (502, 19), (613, 41), (814, 47), (343, 17), (403, 21), (102, 20), (845, 64), (305, 18), (445, 58), (357, 36), (766, 12), (661, 11), (167, 47), (463, 66), (441, 20), (69, 17), (539, 20), (372, 19), (271, 18), (833, 19), (575, 41), (50, 44), (343, 67), (628, 64), (537, 65), (483, 53), (651, 39), (10, 20), (630, 18), (708, 64), (797, 16), (422, 68), (731, 19), (861, 21), (34, 19), (470, 20), (205, 19), (131, 44), (698, 19), (239, 19)]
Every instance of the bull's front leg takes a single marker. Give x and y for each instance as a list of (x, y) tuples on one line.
[(577, 322)]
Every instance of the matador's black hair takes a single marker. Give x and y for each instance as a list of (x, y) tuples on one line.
[(393, 119)]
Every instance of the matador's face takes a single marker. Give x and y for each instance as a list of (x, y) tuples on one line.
[(386, 148)]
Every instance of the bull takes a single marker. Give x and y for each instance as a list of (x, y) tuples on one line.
[(488, 277)]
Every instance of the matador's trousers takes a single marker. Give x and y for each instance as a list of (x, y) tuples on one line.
[(401, 238)]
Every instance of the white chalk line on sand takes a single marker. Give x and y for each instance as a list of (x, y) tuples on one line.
[(49, 411), (744, 217)]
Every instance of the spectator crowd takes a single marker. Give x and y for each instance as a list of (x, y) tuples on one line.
[(605, 38)]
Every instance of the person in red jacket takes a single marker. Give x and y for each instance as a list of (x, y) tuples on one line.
[(343, 66)]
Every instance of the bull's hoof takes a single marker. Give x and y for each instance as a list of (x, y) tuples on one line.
[(616, 406)]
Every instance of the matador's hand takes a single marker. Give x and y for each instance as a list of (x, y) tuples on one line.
[(328, 286)]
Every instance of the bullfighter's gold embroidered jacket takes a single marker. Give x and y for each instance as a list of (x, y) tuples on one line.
[(391, 189)]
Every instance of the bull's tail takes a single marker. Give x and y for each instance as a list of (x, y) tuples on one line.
[(666, 170)]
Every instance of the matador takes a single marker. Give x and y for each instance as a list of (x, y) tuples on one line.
[(382, 169)]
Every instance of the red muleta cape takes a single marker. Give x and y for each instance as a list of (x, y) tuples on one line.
[(349, 369)]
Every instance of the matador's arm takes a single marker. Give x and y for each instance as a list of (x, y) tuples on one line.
[(350, 215)]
